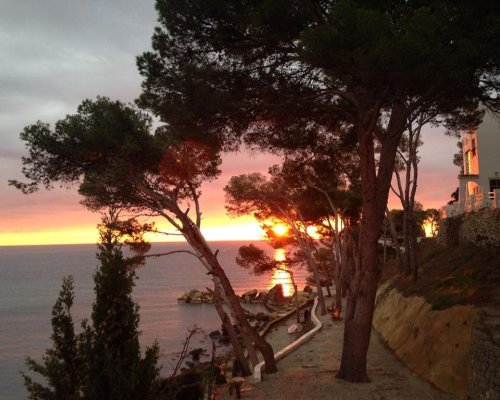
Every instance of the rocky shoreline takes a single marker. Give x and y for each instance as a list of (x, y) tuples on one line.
[(273, 297), (273, 300)]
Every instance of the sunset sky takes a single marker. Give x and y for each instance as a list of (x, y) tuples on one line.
[(57, 53)]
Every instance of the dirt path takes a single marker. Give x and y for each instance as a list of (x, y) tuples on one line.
[(309, 372)]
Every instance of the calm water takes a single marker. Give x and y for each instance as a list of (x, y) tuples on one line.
[(30, 279)]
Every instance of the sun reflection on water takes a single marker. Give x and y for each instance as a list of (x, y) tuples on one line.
[(281, 277)]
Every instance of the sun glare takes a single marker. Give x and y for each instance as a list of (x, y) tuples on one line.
[(280, 255), (430, 228), (312, 231), (280, 229), (217, 232), (280, 276)]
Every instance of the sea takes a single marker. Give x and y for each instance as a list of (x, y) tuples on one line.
[(30, 281)]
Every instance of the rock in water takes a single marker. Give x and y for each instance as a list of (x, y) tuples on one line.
[(307, 289), (184, 298), (250, 293), (275, 295)]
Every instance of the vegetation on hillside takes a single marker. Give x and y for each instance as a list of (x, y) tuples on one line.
[(464, 274)]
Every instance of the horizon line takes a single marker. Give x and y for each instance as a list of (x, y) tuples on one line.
[(156, 242)]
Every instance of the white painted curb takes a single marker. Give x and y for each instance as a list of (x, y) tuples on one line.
[(257, 371)]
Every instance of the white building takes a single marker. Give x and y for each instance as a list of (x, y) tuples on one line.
[(479, 185)]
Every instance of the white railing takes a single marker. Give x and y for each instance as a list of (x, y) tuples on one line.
[(494, 198), (473, 203)]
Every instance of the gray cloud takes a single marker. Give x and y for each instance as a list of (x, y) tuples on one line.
[(56, 53), (53, 55)]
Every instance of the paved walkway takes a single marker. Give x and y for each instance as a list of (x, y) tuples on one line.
[(309, 373)]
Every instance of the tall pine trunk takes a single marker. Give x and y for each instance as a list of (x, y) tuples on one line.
[(337, 277), (395, 240), (375, 185), (406, 242), (413, 251)]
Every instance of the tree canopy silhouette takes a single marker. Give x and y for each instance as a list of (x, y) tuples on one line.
[(282, 73), (107, 149)]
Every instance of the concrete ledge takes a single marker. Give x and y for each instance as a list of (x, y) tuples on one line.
[(284, 316), (257, 372)]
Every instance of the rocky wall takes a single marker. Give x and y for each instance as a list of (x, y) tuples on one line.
[(484, 366), (435, 344), (481, 227)]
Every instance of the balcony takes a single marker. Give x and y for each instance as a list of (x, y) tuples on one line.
[(472, 203)]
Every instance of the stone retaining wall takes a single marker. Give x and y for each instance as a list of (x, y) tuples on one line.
[(484, 366), (435, 344), (480, 227), (457, 349)]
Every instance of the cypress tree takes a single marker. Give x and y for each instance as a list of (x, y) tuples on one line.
[(61, 364), (115, 368), (104, 361)]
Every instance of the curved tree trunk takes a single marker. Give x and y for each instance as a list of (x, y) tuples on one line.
[(296, 293), (247, 340), (246, 329), (321, 298), (233, 338), (194, 237), (304, 245)]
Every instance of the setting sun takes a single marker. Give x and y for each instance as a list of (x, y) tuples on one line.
[(280, 229)]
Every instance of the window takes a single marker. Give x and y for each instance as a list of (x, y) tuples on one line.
[(473, 147), (494, 184), (468, 163)]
